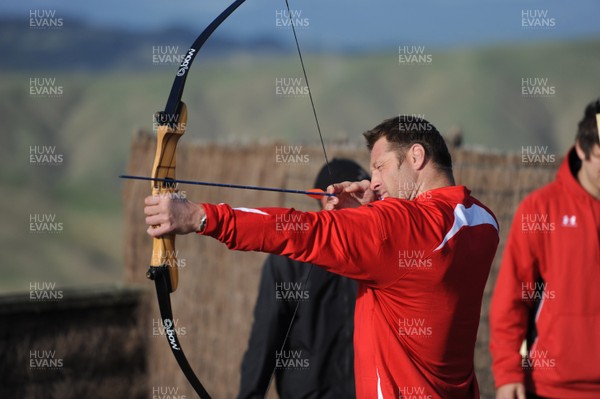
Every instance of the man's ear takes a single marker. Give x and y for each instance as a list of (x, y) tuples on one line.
[(417, 156), (579, 151)]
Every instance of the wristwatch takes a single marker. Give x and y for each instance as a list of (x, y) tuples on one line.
[(202, 224)]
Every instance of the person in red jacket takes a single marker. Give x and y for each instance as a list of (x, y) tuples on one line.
[(419, 246), (547, 287)]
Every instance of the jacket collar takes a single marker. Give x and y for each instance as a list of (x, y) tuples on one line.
[(567, 175)]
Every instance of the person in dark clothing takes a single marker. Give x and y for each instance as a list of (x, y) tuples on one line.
[(317, 360)]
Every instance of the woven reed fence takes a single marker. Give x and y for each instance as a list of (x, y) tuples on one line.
[(214, 302)]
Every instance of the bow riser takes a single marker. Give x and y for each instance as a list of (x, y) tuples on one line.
[(168, 135)]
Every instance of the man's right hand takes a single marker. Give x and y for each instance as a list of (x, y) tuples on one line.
[(349, 195), (511, 391)]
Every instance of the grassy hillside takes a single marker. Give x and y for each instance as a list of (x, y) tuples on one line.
[(235, 100)]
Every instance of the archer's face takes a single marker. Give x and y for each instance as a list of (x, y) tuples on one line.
[(389, 177)]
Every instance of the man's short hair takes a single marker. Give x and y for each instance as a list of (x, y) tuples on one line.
[(587, 129), (403, 131)]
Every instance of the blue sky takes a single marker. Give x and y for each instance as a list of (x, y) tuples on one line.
[(360, 24)]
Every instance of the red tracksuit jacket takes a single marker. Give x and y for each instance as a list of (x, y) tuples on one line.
[(552, 257), (422, 266)]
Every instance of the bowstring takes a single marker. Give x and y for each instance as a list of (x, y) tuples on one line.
[(314, 110), (312, 103)]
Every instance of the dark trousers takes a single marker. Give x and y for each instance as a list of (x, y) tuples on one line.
[(534, 396)]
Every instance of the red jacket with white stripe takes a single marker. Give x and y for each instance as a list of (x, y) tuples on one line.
[(552, 260), (422, 266)]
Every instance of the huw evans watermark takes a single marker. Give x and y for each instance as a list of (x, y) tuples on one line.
[(166, 55), (291, 359), (537, 223), (45, 87), (537, 87), (538, 359), (167, 392), (44, 223), (291, 154), (414, 55), (537, 155), (44, 155), (44, 360), (414, 326), (44, 19), (413, 392), (537, 19), (44, 291), (169, 257), (415, 122), (290, 291), (158, 328), (162, 119), (410, 190), (291, 222), (290, 87), (285, 19), (536, 291), (414, 259)]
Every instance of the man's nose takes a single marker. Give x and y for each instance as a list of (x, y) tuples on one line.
[(375, 182)]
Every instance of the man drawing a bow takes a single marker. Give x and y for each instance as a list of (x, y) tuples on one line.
[(419, 246)]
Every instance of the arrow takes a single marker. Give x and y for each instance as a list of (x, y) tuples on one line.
[(315, 193)]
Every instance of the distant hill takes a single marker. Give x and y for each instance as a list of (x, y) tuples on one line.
[(80, 47)]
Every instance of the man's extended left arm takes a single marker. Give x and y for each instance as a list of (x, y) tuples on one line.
[(343, 242)]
